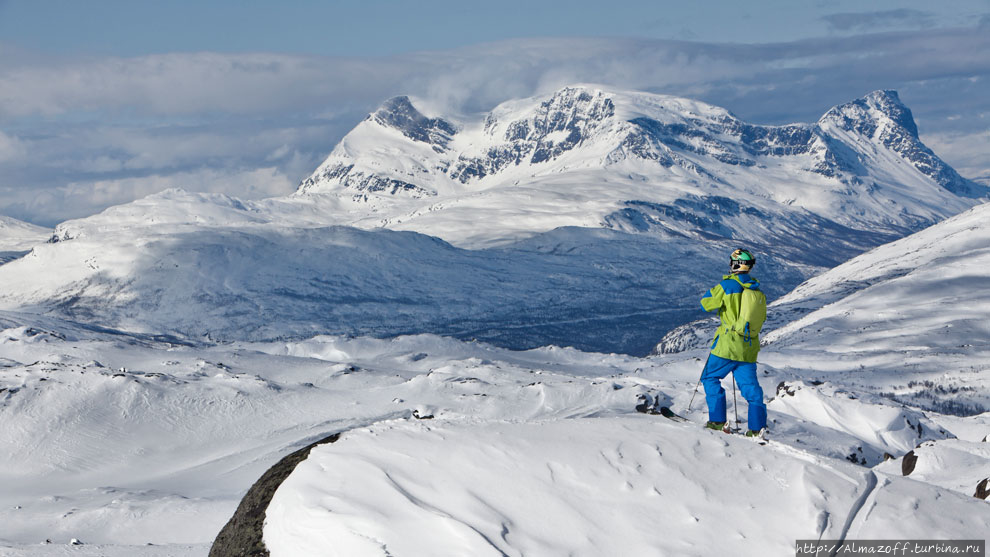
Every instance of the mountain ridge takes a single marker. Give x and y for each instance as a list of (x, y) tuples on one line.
[(647, 148), (602, 243)]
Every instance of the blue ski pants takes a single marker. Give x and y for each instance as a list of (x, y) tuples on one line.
[(717, 369)]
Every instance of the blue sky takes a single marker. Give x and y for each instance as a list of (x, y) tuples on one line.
[(388, 27), (106, 101)]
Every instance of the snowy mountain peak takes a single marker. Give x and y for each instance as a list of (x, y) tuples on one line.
[(572, 110), (881, 118), (869, 114), (400, 114), (634, 160), (553, 198), (556, 126)]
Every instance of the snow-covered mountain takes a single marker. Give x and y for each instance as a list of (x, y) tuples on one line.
[(589, 218), (591, 157), (586, 287), (929, 291)]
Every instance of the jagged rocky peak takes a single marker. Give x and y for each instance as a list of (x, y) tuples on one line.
[(608, 127), (557, 125), (882, 118), (400, 114), (572, 110), (866, 115)]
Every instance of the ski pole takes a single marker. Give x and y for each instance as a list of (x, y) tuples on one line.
[(735, 405), (699, 382)]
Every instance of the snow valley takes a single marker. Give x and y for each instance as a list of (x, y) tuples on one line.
[(159, 357)]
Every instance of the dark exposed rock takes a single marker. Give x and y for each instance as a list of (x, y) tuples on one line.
[(573, 111), (242, 535), (400, 114), (783, 389), (983, 489), (644, 404), (908, 463), (369, 183)]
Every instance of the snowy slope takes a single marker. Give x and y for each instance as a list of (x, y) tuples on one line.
[(127, 440), (900, 289), (120, 441), (917, 307), (196, 266), (17, 237), (604, 486), (591, 486), (903, 288)]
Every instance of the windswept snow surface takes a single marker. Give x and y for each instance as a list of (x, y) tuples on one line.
[(628, 485), (121, 440)]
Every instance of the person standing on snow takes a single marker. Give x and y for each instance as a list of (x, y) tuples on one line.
[(742, 309)]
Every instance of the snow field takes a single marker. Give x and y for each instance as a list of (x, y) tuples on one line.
[(114, 436), (585, 486)]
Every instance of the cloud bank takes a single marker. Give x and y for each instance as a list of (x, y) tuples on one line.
[(77, 135)]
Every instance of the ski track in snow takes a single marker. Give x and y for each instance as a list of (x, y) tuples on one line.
[(858, 506)]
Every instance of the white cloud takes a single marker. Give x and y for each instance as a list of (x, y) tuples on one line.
[(472, 78), (90, 197), (968, 153)]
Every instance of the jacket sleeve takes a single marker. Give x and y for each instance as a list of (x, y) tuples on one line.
[(712, 300)]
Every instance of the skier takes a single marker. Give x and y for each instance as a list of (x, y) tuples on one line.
[(742, 309)]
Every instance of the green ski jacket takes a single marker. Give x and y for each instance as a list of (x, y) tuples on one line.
[(742, 309)]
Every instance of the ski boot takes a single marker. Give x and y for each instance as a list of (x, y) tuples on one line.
[(718, 426)]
